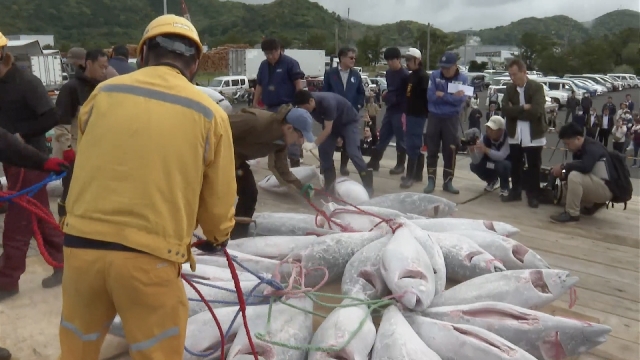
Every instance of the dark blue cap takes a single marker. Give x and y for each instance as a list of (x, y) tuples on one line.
[(447, 60)]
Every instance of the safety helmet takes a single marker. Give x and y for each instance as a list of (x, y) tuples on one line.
[(3, 41), (172, 25)]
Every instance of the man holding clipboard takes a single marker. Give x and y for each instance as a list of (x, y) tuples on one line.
[(446, 95)]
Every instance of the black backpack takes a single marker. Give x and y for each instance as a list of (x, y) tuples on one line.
[(620, 180)]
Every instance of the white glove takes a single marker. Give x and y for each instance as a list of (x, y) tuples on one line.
[(308, 146)]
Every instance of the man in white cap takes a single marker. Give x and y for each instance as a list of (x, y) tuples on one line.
[(490, 157)]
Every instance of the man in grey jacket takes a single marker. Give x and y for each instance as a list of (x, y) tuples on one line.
[(490, 157)]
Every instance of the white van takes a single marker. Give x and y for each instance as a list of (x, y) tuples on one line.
[(558, 97), (556, 84), (227, 85), (549, 104), (629, 80)]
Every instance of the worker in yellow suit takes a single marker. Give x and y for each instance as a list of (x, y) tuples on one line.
[(154, 160)]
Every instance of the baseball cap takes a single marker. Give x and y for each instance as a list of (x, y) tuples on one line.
[(447, 60), (302, 121), (76, 53), (413, 52), (496, 122)]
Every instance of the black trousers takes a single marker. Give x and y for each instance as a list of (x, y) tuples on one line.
[(603, 136), (526, 179), (373, 126), (247, 200), (619, 146), (569, 115)]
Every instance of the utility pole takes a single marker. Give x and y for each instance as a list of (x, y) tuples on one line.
[(466, 41), (346, 34), (165, 6), (337, 41), (428, 45)]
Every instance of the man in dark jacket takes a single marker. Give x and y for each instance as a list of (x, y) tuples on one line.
[(475, 117), (523, 107), (609, 105), (572, 104), (580, 118), (586, 103), (395, 98), (120, 60), (586, 175), (444, 121), (25, 111), (346, 82), (16, 153), (492, 112), (72, 96), (416, 117)]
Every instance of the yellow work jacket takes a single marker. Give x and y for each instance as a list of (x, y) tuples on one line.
[(155, 159)]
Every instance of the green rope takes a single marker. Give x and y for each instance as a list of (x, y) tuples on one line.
[(372, 305)]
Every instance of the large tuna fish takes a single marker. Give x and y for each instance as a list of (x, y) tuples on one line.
[(426, 205), (444, 225), (272, 247), (512, 254), (306, 174), (396, 340), (463, 342), (362, 273), (465, 259), (203, 334), (544, 336), (222, 294), (406, 269), (530, 289), (351, 219), (285, 224), (288, 325), (219, 273), (342, 323), (350, 191), (434, 252)]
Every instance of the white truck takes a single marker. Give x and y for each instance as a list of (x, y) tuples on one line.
[(29, 56), (245, 62)]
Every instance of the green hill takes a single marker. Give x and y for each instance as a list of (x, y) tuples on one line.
[(299, 23)]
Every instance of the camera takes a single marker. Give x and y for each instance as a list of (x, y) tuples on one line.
[(472, 141)]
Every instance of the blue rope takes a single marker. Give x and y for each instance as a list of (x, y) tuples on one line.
[(30, 191), (272, 283)]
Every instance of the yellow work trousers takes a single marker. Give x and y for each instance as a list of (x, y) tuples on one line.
[(145, 290)]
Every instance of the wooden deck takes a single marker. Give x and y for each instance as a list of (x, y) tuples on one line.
[(604, 251)]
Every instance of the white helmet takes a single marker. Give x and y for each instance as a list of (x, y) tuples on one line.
[(217, 98)]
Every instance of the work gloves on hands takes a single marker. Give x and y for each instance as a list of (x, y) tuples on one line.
[(307, 191), (69, 156), (308, 146), (55, 165), (211, 248)]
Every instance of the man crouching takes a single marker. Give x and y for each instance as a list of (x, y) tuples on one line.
[(490, 157), (586, 175), (259, 133)]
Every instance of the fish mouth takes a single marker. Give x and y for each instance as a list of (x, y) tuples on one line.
[(569, 281), (343, 354), (470, 256)]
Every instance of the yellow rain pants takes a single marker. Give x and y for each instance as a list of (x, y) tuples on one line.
[(145, 290)]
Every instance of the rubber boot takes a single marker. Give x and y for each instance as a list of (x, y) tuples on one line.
[(239, 231), (344, 160), (367, 181), (431, 181), (294, 163), (4, 354), (401, 157), (54, 280), (374, 162), (329, 180), (417, 175), (448, 183), (407, 180)]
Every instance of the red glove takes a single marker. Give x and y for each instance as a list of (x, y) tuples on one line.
[(55, 165), (69, 156)]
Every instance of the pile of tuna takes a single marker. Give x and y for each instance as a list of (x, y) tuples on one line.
[(391, 251)]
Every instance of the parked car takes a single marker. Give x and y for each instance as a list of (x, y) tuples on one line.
[(600, 89), (550, 104), (558, 97), (381, 82), (591, 90), (629, 80), (593, 78)]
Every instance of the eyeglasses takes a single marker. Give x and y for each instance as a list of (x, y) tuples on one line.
[(352, 57)]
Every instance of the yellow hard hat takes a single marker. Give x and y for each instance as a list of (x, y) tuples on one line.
[(170, 25), (3, 40)]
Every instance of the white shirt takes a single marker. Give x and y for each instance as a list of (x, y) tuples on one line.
[(593, 119), (605, 121), (523, 131)]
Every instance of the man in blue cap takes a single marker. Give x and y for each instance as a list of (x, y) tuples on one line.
[(258, 133), (444, 121), (339, 120)]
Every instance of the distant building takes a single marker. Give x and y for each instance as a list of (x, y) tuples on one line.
[(488, 53), (42, 39)]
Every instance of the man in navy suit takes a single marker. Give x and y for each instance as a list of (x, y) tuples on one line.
[(346, 82)]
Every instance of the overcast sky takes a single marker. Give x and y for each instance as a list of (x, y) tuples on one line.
[(453, 15)]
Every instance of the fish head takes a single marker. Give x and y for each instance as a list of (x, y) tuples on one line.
[(372, 278), (485, 260), (416, 294), (532, 260), (264, 351), (552, 282), (440, 209), (501, 228), (573, 340)]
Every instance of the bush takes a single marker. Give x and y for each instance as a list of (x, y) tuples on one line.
[(623, 69)]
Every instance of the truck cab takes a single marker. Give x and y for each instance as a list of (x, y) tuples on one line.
[(29, 56)]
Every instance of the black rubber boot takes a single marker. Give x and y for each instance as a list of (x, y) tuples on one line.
[(374, 162), (401, 157), (294, 163), (367, 181), (407, 180), (4, 354), (239, 231), (344, 160), (6, 294), (329, 180), (54, 280), (417, 175), (448, 182), (431, 181)]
